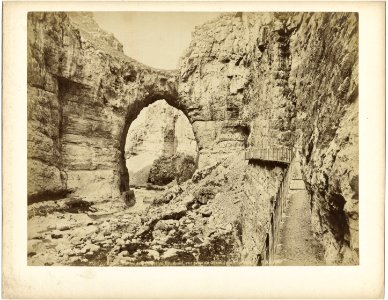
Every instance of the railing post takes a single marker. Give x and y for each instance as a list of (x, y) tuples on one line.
[(279, 205)]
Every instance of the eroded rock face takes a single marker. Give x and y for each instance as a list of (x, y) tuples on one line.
[(325, 80), (236, 74), (235, 77), (247, 80), (283, 78), (83, 93)]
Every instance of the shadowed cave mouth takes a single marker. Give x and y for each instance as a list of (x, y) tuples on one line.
[(160, 148)]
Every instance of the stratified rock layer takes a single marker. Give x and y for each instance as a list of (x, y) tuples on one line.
[(247, 80), (288, 79), (325, 80), (83, 94)]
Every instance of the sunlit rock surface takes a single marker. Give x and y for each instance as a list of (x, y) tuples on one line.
[(247, 80)]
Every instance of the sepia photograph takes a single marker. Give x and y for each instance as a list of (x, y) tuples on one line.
[(238, 147), (185, 149)]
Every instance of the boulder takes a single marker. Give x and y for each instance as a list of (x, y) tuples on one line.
[(204, 194)]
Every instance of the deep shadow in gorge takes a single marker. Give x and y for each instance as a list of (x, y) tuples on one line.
[(248, 80)]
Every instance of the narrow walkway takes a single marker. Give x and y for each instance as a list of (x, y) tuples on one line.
[(297, 246), (281, 154)]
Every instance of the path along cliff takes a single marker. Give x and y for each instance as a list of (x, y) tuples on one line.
[(297, 245), (247, 80)]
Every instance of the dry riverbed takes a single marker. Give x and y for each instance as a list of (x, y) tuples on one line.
[(188, 224)]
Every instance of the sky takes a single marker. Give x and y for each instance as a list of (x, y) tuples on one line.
[(156, 39)]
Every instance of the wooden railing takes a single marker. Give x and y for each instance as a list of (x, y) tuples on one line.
[(277, 207), (280, 154)]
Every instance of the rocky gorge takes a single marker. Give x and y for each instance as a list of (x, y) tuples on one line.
[(247, 81)]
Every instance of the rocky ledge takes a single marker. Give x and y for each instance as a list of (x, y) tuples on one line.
[(247, 80)]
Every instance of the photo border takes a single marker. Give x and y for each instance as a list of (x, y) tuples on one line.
[(363, 281)]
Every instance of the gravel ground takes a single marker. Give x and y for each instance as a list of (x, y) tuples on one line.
[(193, 223)]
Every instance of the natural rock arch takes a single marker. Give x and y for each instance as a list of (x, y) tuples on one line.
[(133, 110), (83, 94), (95, 91)]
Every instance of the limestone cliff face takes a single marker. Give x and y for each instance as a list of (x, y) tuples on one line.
[(324, 77), (247, 80), (270, 79), (83, 93), (235, 74)]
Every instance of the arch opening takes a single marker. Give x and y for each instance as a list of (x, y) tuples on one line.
[(158, 147)]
